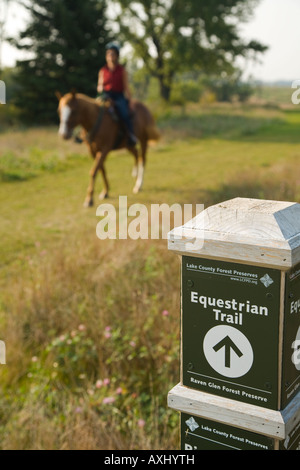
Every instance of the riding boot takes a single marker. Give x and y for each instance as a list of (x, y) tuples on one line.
[(132, 140)]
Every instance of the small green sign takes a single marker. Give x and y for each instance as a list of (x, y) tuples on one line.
[(230, 330), (292, 441), (291, 342), (203, 434)]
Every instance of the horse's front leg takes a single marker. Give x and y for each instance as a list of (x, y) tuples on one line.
[(98, 165)]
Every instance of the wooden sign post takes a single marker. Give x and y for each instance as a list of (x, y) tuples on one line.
[(240, 326)]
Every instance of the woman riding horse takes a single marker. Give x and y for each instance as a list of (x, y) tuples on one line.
[(113, 82), (76, 109)]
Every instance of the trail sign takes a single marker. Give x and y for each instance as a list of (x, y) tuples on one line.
[(291, 345), (240, 311), (203, 434), (230, 331)]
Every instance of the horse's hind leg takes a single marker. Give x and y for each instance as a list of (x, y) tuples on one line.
[(141, 168), (135, 168), (138, 171), (98, 165)]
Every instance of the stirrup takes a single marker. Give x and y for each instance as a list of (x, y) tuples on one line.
[(132, 140)]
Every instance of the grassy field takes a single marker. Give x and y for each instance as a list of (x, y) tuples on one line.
[(92, 327)]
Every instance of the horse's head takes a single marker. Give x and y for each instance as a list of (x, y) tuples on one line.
[(68, 110)]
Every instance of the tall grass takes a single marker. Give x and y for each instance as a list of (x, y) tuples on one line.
[(24, 157), (92, 338)]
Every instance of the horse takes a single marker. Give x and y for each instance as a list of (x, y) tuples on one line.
[(102, 134)]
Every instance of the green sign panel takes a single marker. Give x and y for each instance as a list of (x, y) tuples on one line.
[(292, 441), (230, 330), (203, 434), (291, 342)]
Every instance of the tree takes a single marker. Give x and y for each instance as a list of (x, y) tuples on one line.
[(171, 36), (3, 17), (65, 46)]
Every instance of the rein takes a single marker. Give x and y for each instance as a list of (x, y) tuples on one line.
[(96, 126), (93, 132)]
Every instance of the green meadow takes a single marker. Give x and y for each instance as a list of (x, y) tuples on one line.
[(92, 326)]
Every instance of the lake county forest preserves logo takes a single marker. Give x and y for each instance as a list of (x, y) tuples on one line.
[(2, 353), (266, 280)]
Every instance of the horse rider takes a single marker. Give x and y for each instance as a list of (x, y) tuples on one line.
[(113, 82)]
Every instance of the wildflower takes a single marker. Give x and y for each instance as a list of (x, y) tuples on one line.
[(78, 409), (99, 384), (82, 327), (119, 391), (133, 344), (108, 400), (55, 364), (165, 313), (62, 337), (141, 423), (107, 334), (106, 382), (34, 359)]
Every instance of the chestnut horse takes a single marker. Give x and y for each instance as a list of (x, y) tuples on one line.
[(101, 130)]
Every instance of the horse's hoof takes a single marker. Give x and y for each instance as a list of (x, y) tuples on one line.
[(103, 195), (88, 203), (136, 189)]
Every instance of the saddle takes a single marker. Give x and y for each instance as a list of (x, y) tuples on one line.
[(109, 104)]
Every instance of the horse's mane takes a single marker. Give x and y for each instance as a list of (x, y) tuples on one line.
[(88, 99)]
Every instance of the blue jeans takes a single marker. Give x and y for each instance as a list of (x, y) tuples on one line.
[(121, 104)]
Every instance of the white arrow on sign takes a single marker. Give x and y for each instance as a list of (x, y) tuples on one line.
[(296, 353), (228, 351)]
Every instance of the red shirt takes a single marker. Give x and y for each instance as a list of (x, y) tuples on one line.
[(113, 79)]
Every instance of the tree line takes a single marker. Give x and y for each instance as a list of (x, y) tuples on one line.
[(65, 41)]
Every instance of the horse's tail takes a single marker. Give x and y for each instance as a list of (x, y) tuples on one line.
[(152, 132)]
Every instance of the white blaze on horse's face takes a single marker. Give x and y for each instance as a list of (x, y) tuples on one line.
[(64, 130)]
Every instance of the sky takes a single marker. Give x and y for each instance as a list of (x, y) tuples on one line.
[(275, 24)]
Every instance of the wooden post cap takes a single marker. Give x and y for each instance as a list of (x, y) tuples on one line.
[(250, 231)]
